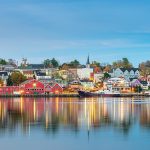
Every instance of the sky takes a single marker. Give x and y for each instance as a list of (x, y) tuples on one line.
[(71, 29)]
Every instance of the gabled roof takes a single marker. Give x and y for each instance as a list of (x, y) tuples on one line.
[(52, 84), (47, 86), (28, 81), (129, 69)]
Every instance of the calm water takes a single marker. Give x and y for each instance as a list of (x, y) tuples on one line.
[(73, 124)]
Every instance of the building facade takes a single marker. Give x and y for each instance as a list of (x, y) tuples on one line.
[(126, 73)]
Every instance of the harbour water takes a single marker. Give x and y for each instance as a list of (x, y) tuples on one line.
[(74, 123)]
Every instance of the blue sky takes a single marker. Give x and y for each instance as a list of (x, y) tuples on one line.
[(69, 29)]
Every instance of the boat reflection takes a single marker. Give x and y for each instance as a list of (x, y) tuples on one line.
[(72, 114)]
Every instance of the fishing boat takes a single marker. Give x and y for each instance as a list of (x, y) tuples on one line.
[(99, 93)]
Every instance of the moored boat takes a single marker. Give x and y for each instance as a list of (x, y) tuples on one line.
[(101, 93)]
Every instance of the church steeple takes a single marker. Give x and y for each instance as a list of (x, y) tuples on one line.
[(88, 62)]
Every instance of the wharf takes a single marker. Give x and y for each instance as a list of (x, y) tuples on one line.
[(73, 95)]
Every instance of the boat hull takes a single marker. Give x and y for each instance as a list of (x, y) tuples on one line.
[(91, 94)]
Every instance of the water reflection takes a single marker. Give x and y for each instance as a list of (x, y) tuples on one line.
[(73, 114)]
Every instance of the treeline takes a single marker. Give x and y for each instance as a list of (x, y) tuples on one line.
[(98, 66), (144, 67), (124, 63), (8, 62), (48, 63)]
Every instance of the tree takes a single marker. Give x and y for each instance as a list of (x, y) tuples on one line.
[(16, 78), (47, 63), (145, 68), (9, 81), (95, 64), (3, 62), (106, 75), (51, 63), (64, 66), (74, 64), (12, 62), (1, 82), (124, 63), (138, 89), (107, 68), (54, 63)]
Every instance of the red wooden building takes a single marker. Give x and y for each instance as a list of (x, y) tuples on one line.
[(32, 87), (53, 88), (9, 90)]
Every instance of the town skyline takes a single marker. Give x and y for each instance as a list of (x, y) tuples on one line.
[(68, 30)]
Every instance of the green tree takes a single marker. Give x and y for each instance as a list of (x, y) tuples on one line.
[(126, 63), (106, 75), (9, 81), (47, 63), (54, 63), (75, 63), (3, 62), (51, 63), (138, 89)]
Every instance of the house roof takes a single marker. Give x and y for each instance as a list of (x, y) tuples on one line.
[(143, 82), (131, 79), (28, 81), (129, 69), (40, 73), (27, 72), (52, 84), (124, 69), (3, 73)]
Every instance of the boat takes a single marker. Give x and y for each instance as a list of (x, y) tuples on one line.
[(100, 93)]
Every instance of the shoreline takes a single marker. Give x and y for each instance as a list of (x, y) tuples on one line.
[(75, 95)]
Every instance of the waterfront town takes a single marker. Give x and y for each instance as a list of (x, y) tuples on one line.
[(51, 78)]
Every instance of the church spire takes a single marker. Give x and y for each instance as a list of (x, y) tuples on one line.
[(88, 62)]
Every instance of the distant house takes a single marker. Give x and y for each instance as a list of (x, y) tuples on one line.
[(9, 90), (126, 73), (118, 82), (75, 85), (144, 85), (98, 77), (135, 82), (39, 75), (4, 76), (87, 84), (29, 74), (8, 68), (84, 73)]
